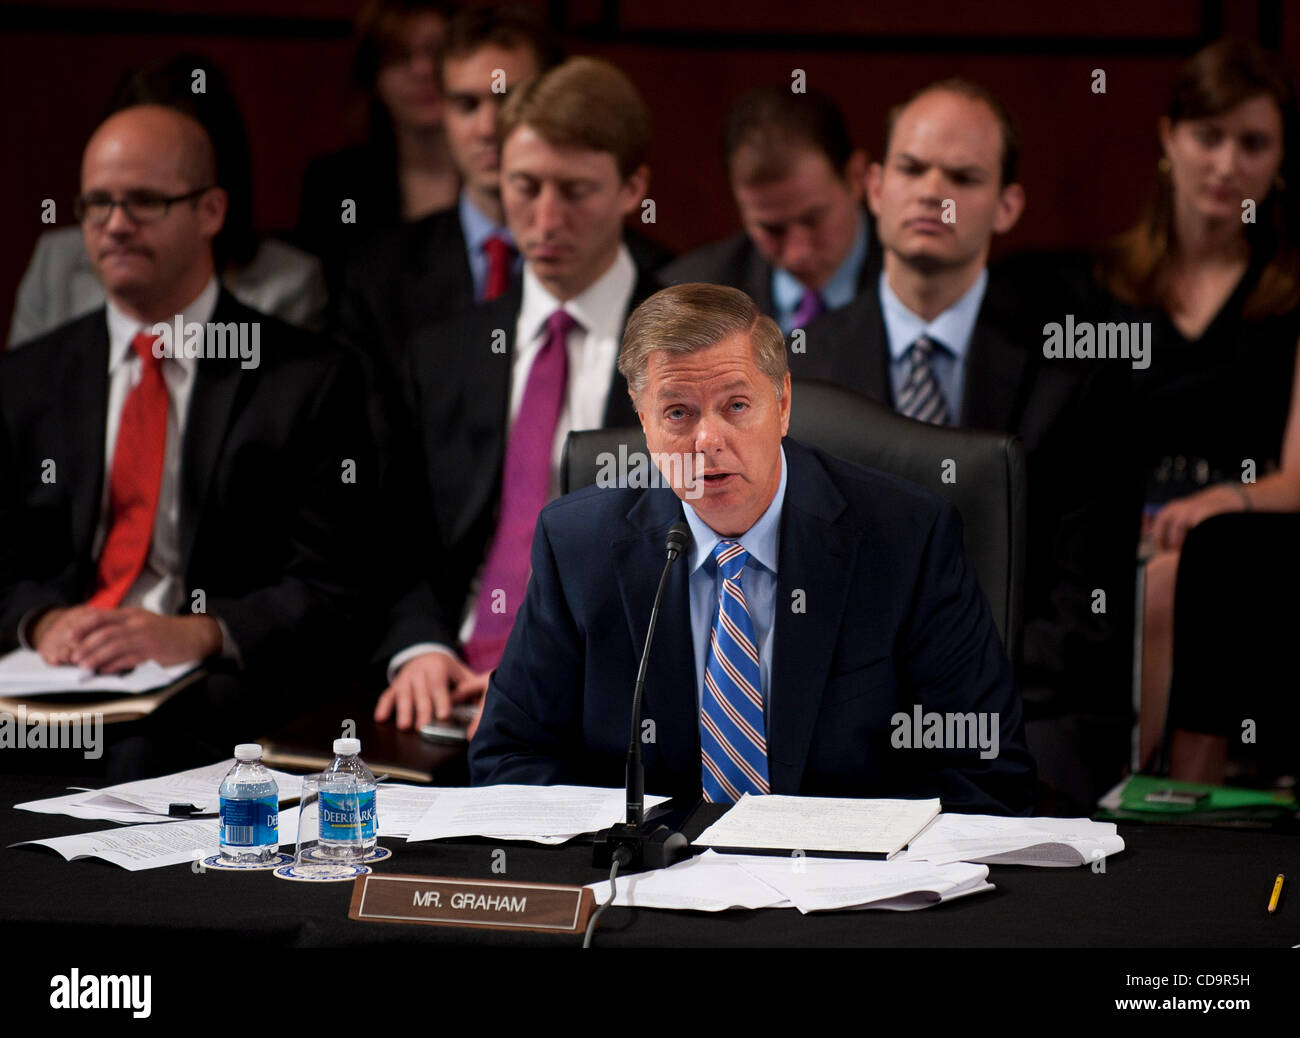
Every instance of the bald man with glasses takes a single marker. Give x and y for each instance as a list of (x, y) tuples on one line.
[(169, 504)]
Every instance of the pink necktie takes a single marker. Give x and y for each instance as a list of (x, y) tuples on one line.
[(525, 484), (810, 308)]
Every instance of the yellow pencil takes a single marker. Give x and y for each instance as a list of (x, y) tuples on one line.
[(1277, 893)]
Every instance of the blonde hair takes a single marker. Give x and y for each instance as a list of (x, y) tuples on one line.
[(587, 103), (690, 317)]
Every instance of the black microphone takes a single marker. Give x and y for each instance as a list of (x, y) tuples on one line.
[(635, 845)]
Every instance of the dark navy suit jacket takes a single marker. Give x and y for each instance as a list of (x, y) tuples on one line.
[(877, 610)]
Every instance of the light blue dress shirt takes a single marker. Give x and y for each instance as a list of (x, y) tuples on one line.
[(787, 290), (758, 579), (477, 229), (952, 330)]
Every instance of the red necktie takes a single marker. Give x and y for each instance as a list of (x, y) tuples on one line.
[(499, 253), (525, 483), (134, 481)]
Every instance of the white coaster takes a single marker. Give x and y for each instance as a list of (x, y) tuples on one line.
[(220, 864), (320, 873)]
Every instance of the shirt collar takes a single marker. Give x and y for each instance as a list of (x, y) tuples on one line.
[(122, 329), (599, 308), (787, 290), (952, 329), (762, 540), (476, 226)]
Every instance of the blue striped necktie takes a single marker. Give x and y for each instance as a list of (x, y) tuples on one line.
[(733, 736), (921, 398)]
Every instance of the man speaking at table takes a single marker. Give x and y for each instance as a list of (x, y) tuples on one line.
[(817, 601)]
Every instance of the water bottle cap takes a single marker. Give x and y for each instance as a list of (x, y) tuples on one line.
[(347, 747), (248, 751)]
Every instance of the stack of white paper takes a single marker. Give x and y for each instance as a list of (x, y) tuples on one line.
[(715, 882), (541, 814), (147, 800), (996, 840), (24, 673), (400, 807), (139, 847), (880, 828)]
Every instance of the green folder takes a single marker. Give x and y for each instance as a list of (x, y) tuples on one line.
[(1224, 805)]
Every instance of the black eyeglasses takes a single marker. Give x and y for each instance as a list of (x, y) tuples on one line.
[(96, 207)]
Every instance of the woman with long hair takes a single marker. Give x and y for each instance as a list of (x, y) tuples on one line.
[(1214, 266)]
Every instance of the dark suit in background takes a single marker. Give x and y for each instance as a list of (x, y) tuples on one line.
[(269, 530), (458, 392), (736, 262), (411, 276), (1083, 501), (365, 173), (894, 618)]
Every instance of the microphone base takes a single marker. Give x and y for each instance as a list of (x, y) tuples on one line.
[(655, 848)]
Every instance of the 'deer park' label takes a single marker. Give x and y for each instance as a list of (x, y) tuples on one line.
[(338, 815)]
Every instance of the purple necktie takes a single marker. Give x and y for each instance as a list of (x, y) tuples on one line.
[(810, 308), (525, 486)]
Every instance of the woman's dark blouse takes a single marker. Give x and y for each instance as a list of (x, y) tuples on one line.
[(1203, 406)]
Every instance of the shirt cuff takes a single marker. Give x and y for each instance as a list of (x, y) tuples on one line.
[(397, 662), (25, 623)]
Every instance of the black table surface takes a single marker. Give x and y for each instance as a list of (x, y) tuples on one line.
[(1170, 887)]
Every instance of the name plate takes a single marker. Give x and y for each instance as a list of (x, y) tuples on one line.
[(442, 901)]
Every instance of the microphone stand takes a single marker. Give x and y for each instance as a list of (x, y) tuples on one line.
[(631, 843)]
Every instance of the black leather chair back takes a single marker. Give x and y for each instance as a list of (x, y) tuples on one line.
[(981, 473)]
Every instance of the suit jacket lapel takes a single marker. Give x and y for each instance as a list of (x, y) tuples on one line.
[(670, 696), (856, 338), (85, 403), (212, 403), (756, 279), (995, 370), (485, 388), (619, 411), (816, 558), (461, 276)]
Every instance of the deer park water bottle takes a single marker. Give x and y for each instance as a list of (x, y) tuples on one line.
[(342, 802), (250, 808)]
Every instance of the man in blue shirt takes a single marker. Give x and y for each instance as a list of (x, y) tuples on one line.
[(419, 273), (944, 338), (820, 602), (807, 244)]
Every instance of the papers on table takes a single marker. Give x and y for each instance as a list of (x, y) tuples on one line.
[(715, 882), (878, 828), (400, 806), (995, 840), (24, 673), (148, 799), (140, 847), (542, 814)]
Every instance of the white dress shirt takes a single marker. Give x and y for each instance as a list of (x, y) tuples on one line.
[(593, 347), (159, 587)]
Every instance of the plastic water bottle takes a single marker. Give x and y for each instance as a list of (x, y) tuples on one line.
[(250, 808), (342, 801)]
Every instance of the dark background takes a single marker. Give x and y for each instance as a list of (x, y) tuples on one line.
[(1088, 158)]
